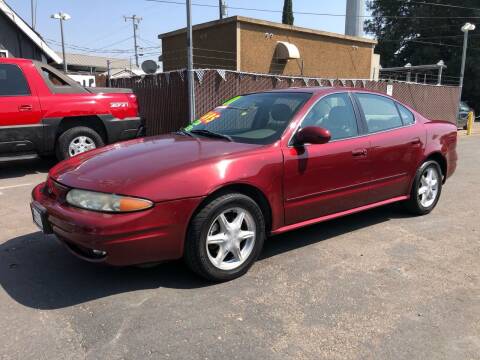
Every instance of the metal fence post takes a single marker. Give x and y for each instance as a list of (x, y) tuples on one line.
[(190, 76)]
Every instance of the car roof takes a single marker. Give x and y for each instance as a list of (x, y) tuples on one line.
[(15, 60), (319, 90)]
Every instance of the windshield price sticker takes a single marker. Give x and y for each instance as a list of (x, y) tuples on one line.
[(210, 116)]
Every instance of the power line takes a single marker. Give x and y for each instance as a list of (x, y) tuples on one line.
[(110, 34), (116, 43), (426, 43), (87, 49), (148, 41), (443, 5), (314, 13), (79, 48)]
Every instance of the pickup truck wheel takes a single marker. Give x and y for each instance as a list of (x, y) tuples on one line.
[(225, 237), (76, 141)]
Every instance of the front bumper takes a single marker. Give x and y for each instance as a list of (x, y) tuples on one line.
[(156, 234)]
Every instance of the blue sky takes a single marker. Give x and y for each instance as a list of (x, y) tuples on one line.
[(100, 24)]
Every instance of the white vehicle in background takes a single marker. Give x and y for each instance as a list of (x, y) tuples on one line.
[(84, 80)]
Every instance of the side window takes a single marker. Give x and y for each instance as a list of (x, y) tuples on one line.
[(12, 81), (407, 116), (53, 78), (334, 113), (380, 112)]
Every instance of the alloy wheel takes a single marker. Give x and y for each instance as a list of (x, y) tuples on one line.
[(80, 144), (231, 238), (428, 187)]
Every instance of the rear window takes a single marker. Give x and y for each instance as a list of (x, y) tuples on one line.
[(12, 81), (407, 116), (53, 78), (380, 112)]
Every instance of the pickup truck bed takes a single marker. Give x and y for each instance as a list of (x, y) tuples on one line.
[(43, 112)]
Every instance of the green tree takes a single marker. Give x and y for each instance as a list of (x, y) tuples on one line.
[(287, 17), (408, 32)]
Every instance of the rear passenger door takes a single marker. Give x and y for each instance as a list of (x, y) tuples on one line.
[(20, 113), (396, 144)]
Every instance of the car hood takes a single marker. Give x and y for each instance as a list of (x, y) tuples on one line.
[(129, 168)]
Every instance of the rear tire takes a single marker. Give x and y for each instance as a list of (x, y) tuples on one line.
[(77, 140), (222, 244), (426, 189)]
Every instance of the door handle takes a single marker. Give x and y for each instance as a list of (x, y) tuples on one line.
[(359, 152), (25, 107), (415, 142)]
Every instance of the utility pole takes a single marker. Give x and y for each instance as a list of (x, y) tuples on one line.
[(190, 77), (109, 72), (62, 17), (135, 21)]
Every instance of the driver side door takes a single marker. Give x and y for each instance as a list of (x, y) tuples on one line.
[(324, 179)]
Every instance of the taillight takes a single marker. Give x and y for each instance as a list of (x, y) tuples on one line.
[(126, 108)]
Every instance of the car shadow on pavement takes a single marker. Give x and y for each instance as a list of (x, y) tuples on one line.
[(38, 272), (18, 168)]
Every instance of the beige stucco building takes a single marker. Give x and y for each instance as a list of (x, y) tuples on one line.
[(258, 46)]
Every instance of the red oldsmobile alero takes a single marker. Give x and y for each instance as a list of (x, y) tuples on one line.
[(260, 164)]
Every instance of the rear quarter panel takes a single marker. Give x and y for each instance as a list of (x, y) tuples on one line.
[(442, 138)]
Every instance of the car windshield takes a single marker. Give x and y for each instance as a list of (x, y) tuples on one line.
[(256, 118)]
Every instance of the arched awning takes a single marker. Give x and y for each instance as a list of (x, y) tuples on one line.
[(286, 51)]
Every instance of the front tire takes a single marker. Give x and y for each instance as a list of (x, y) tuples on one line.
[(77, 140), (225, 237), (426, 189)]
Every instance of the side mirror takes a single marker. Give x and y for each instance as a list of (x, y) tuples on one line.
[(312, 135)]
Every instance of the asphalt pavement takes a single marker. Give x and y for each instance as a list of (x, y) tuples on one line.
[(377, 285)]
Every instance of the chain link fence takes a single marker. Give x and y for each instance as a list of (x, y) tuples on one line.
[(163, 97)]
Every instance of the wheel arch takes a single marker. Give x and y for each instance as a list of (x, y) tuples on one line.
[(242, 188), (441, 160), (93, 122)]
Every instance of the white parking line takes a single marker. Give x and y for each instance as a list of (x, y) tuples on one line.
[(13, 187)]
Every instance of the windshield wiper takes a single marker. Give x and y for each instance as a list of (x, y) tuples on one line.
[(183, 132), (212, 134)]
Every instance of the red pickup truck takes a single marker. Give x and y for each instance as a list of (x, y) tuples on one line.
[(44, 112)]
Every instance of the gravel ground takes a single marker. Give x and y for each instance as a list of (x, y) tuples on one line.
[(376, 285)]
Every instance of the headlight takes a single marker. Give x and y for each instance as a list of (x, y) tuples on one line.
[(96, 201)]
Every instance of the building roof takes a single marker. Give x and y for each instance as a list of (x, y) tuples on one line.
[(125, 73), (273, 25), (29, 32), (98, 62)]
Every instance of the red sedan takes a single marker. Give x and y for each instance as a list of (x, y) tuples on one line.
[(260, 164)]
